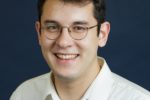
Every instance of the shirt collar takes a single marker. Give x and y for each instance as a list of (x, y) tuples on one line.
[(51, 93), (99, 89), (102, 85)]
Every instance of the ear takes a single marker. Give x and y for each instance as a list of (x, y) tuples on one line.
[(38, 27), (104, 32)]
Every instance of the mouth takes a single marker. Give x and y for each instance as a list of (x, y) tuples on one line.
[(66, 56)]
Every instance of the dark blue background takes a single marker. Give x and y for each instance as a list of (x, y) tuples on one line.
[(127, 51)]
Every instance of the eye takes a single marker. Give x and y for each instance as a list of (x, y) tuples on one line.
[(52, 28), (79, 29)]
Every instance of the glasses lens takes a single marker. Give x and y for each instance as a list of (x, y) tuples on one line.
[(52, 30), (78, 31)]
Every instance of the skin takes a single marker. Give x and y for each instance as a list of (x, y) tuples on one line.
[(73, 76)]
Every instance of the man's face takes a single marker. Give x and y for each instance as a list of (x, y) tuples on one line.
[(69, 58)]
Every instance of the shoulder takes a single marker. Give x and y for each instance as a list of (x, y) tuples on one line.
[(127, 89), (31, 87), (39, 80)]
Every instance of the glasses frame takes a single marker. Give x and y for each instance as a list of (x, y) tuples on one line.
[(69, 31)]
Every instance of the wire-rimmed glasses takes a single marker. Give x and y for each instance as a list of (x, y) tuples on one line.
[(77, 32)]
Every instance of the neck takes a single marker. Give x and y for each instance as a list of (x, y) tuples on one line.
[(75, 89)]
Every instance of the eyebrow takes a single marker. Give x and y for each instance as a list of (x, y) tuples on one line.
[(50, 21), (80, 23)]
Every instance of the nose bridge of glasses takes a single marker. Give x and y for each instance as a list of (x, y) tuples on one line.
[(64, 39), (65, 27)]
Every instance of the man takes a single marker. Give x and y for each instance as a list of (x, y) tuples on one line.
[(69, 33)]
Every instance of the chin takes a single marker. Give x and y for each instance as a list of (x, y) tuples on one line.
[(67, 75)]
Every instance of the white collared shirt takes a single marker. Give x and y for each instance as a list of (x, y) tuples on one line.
[(106, 86)]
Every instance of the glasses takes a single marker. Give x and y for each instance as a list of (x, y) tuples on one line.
[(77, 32)]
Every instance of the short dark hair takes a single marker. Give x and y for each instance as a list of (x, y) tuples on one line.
[(99, 10)]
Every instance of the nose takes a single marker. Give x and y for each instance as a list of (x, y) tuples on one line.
[(64, 40)]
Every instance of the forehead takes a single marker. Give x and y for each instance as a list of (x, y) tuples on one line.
[(67, 12)]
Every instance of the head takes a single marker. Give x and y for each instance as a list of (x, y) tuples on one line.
[(67, 57)]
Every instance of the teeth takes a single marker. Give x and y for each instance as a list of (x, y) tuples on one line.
[(66, 56)]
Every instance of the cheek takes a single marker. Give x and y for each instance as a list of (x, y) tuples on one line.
[(89, 45), (91, 41), (45, 44)]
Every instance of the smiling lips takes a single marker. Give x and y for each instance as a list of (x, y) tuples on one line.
[(66, 56)]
